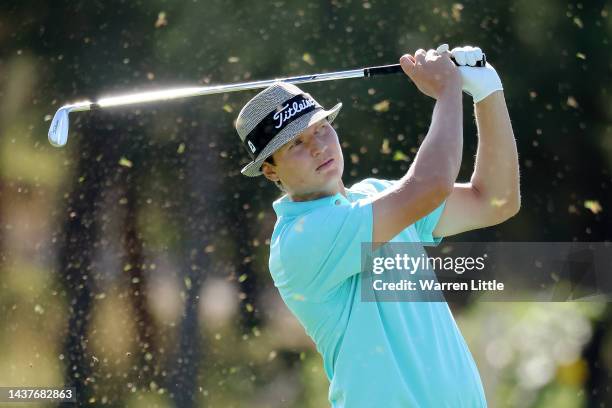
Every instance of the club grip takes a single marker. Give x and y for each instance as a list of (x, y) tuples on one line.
[(397, 68)]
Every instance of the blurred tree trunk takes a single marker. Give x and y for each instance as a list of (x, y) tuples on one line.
[(200, 223), (76, 252), (134, 266)]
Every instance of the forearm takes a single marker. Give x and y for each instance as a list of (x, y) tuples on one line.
[(496, 171), (439, 156), (430, 179)]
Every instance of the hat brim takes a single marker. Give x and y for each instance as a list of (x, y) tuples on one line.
[(253, 169)]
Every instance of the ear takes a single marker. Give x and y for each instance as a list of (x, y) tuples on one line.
[(269, 171)]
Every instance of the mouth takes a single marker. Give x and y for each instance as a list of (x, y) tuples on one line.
[(325, 164)]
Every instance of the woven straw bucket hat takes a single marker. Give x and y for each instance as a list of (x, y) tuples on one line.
[(274, 117)]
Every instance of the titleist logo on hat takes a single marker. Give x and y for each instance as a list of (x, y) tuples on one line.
[(277, 120), (287, 111)]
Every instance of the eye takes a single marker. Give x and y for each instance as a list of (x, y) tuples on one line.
[(296, 142)]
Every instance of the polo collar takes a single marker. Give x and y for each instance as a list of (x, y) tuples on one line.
[(284, 207)]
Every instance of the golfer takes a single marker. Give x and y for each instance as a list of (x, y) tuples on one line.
[(381, 354)]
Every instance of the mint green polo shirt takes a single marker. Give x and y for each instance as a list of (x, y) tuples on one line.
[(375, 354)]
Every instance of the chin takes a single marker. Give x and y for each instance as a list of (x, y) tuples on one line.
[(337, 172), (332, 179)]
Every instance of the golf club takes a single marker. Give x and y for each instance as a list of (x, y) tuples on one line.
[(58, 131)]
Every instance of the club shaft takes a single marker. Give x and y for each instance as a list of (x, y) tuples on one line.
[(178, 93)]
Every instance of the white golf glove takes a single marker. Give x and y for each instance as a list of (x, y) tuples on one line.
[(479, 82)]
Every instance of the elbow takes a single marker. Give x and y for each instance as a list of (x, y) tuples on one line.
[(441, 188), (441, 184), (435, 184), (434, 187), (505, 210), (510, 212), (500, 207)]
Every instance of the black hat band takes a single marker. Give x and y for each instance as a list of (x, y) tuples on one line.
[(276, 121)]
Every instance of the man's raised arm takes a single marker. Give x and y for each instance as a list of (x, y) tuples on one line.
[(431, 176), (493, 193)]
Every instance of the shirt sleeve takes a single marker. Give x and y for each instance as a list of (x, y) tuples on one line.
[(321, 249), (426, 225)]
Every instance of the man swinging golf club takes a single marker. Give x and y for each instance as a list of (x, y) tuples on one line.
[(381, 354)]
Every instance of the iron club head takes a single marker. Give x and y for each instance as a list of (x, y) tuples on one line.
[(58, 131)]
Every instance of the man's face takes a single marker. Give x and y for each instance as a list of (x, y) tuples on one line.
[(310, 165)]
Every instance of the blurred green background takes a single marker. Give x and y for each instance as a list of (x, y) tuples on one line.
[(134, 260)]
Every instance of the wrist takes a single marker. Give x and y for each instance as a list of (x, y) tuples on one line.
[(494, 98), (450, 92)]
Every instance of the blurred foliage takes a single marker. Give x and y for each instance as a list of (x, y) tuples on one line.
[(134, 261)]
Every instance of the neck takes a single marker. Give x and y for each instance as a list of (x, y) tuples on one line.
[(339, 188)]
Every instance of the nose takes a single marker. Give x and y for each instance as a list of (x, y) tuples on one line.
[(317, 146)]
